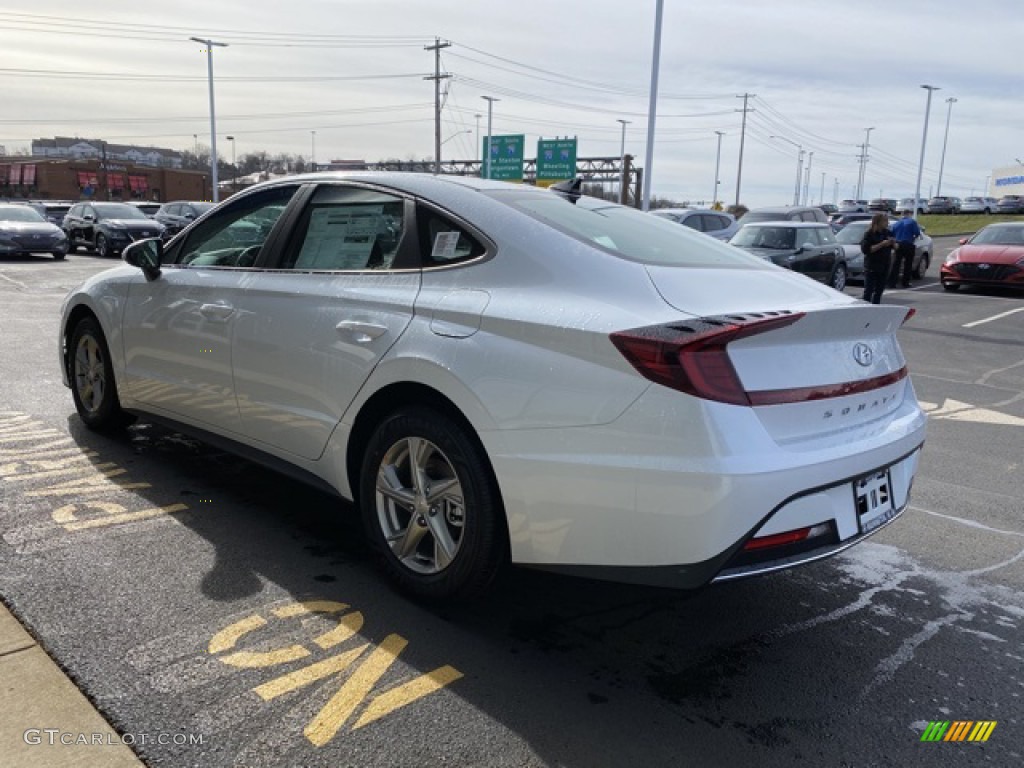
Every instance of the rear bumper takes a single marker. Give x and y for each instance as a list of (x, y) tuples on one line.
[(670, 492)]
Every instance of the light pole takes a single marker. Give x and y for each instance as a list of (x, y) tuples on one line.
[(924, 141), (799, 167), (652, 108), (821, 194), (195, 144), (479, 148), (718, 163), (863, 163), (622, 159), (942, 163), (210, 44), (807, 177), (312, 156), (234, 168), (487, 155)]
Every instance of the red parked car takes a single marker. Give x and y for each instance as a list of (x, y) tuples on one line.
[(994, 256)]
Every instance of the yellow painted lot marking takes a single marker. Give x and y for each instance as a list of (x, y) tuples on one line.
[(357, 691), (295, 680), (113, 514), (407, 693), (227, 637)]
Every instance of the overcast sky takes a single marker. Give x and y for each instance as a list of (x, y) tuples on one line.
[(352, 71)]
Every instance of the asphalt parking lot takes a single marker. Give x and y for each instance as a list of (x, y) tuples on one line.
[(189, 592)]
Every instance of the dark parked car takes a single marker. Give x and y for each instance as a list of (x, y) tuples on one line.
[(785, 213), (885, 204), (1010, 204), (108, 227), (840, 220), (806, 247), (943, 205), (24, 230), (179, 214)]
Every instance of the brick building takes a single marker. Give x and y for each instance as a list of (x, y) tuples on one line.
[(87, 179)]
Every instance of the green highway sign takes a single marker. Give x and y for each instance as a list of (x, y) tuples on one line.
[(556, 161), (506, 156)]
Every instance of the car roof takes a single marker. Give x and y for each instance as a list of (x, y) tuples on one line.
[(788, 223)]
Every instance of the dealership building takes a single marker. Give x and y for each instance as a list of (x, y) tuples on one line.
[(1007, 181)]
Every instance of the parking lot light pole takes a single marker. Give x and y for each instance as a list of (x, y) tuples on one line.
[(312, 155), (942, 163), (799, 166), (487, 155), (652, 108), (210, 44), (622, 157), (234, 168), (924, 140), (718, 163)]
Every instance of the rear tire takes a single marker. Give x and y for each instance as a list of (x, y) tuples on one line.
[(92, 379), (922, 267), (431, 506)]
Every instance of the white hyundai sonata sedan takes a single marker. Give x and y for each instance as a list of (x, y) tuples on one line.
[(496, 373)]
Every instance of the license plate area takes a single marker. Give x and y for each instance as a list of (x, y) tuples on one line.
[(874, 502)]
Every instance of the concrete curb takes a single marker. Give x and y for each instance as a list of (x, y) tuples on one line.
[(45, 721)]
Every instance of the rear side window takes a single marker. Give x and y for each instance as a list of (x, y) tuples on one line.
[(627, 232), (442, 241)]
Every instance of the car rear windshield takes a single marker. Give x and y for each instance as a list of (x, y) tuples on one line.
[(627, 232)]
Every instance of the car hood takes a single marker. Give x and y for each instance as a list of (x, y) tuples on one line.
[(135, 225), (714, 291), (29, 228), (991, 254)]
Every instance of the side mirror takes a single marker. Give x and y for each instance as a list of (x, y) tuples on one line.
[(89, 217), (963, 241), (146, 255)]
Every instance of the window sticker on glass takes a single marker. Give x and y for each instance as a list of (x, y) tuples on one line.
[(445, 244), (340, 238)]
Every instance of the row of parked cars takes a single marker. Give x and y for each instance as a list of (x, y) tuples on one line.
[(62, 227), (936, 205)]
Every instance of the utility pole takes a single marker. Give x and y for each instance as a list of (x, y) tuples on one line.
[(623, 178), (437, 77), (942, 163), (210, 45), (863, 162), (743, 136)]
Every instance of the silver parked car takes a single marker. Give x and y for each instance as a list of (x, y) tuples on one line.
[(849, 238), (718, 224), (978, 205)]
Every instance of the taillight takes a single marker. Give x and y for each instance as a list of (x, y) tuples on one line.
[(691, 357)]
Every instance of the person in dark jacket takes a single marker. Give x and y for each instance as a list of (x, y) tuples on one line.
[(877, 249)]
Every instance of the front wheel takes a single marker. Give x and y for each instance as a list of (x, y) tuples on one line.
[(92, 378), (431, 507), (838, 280), (103, 246)]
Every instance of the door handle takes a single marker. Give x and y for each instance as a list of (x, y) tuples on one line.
[(360, 332), (219, 312)]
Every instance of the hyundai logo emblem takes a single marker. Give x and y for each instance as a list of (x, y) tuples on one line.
[(862, 354), (984, 266)]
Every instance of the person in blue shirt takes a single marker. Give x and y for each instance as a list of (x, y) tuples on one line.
[(905, 232)]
